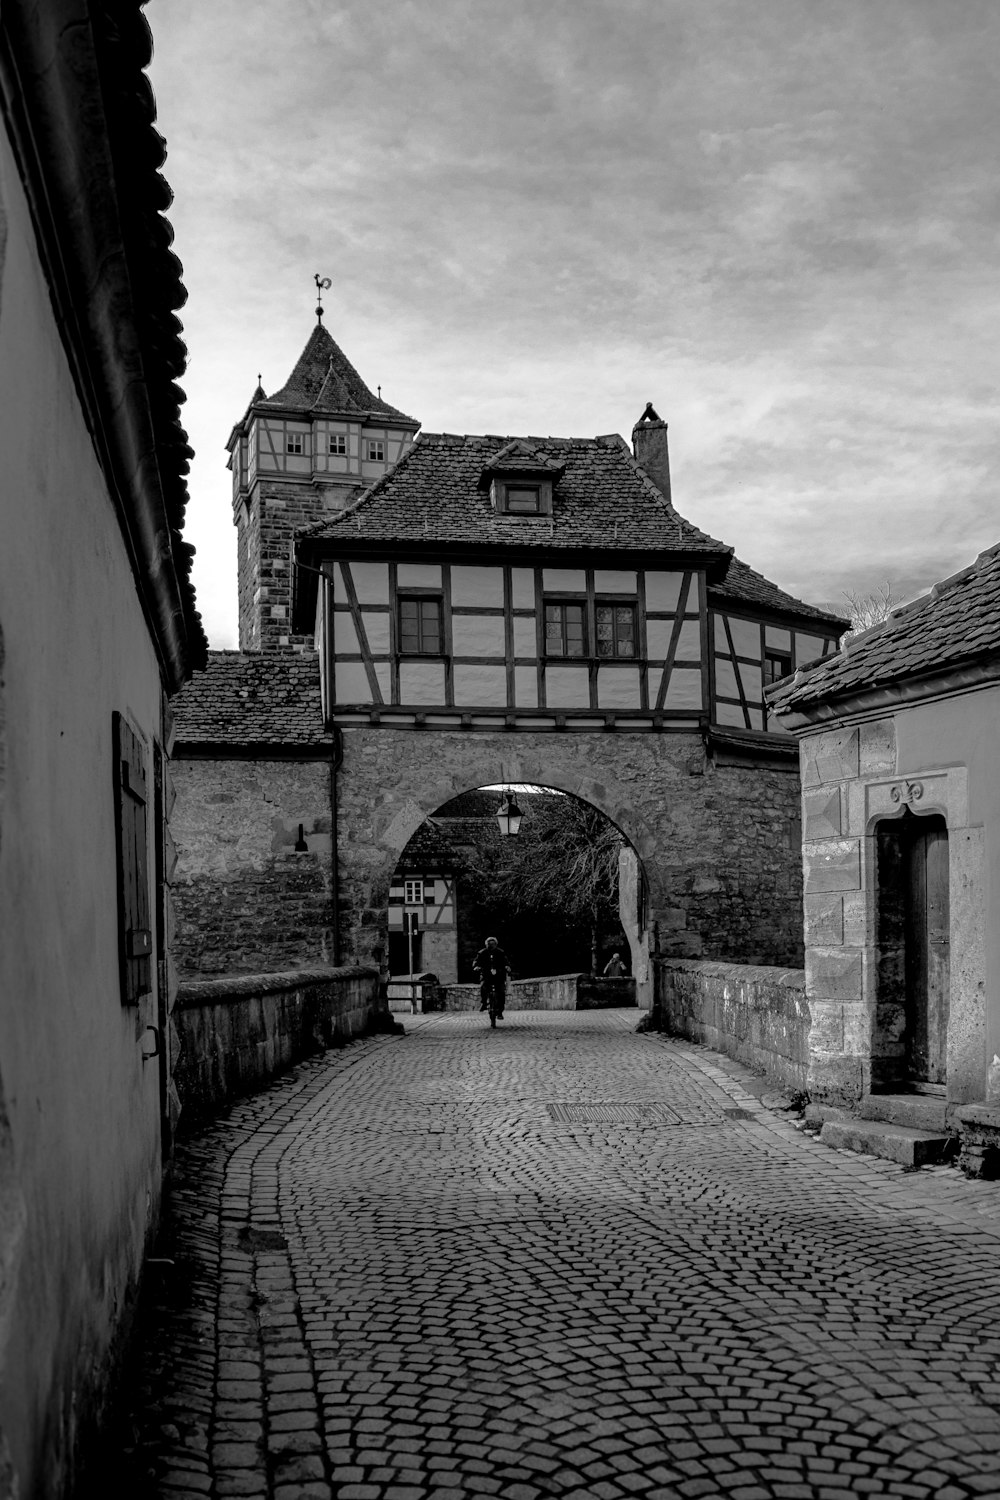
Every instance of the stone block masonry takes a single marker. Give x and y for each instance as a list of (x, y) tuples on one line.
[(235, 1035), (245, 901), (757, 1015), (719, 844)]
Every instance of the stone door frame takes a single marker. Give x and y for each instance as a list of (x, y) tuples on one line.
[(843, 803), (923, 793)]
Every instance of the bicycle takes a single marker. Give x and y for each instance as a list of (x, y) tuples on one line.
[(494, 1000)]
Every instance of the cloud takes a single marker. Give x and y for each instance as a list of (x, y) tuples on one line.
[(779, 222)]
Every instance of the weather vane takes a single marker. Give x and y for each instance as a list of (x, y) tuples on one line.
[(323, 283)]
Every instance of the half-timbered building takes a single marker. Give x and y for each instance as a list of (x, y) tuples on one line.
[(486, 609), (543, 584)]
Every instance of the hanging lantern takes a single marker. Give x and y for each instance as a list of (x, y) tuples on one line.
[(509, 815)]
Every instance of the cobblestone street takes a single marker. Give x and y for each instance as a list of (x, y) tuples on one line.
[(412, 1269)]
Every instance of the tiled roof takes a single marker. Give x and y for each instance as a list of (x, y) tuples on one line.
[(252, 699), (81, 115), (522, 457), (958, 622), (603, 500), (324, 380), (742, 584)]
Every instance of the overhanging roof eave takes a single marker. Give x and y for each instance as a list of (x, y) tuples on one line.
[(880, 698)]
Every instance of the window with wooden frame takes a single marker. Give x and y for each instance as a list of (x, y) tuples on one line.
[(135, 937), (293, 442), (338, 444), (421, 631), (777, 664), (376, 450), (413, 892), (615, 623), (522, 497), (565, 627)]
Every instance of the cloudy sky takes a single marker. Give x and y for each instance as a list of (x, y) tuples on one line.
[(776, 220)]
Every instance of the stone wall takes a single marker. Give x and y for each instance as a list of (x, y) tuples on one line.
[(719, 844), (236, 1034), (277, 510), (755, 1014), (553, 992), (245, 901)]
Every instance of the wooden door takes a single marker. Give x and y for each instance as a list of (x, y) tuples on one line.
[(927, 952)]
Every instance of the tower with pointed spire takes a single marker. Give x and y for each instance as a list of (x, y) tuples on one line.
[(296, 456)]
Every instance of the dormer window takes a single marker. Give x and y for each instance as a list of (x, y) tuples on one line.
[(521, 478), (520, 497)]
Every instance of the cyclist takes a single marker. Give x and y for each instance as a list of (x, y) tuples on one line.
[(491, 964)]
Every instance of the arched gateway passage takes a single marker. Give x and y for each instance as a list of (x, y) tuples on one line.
[(563, 891), (718, 844), (398, 805)]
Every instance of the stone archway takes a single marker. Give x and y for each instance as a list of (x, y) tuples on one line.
[(438, 944), (389, 784)]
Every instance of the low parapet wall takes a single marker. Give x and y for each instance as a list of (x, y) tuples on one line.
[(757, 1015), (236, 1034), (550, 992)]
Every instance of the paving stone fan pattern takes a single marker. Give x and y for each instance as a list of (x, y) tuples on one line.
[(396, 1275)]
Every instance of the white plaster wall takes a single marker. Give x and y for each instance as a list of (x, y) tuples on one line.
[(83, 1112)]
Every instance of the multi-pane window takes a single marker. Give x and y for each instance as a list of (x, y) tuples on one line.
[(413, 892), (338, 443), (376, 450), (776, 664), (293, 442), (565, 628), (523, 499), (420, 632), (616, 632)]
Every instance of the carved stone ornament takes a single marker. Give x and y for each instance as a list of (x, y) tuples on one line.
[(906, 791)]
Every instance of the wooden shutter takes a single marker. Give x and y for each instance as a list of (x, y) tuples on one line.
[(135, 938)]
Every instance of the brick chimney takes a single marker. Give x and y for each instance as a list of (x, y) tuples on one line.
[(650, 449)]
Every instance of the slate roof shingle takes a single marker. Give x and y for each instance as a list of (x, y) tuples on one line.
[(254, 698), (604, 500), (742, 584), (324, 380), (958, 622)]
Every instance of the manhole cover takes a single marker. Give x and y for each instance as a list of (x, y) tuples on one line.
[(739, 1114), (613, 1114)]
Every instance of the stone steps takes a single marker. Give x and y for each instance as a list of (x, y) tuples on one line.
[(919, 1111), (905, 1144)]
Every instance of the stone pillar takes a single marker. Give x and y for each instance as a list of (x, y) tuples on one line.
[(840, 1031)]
